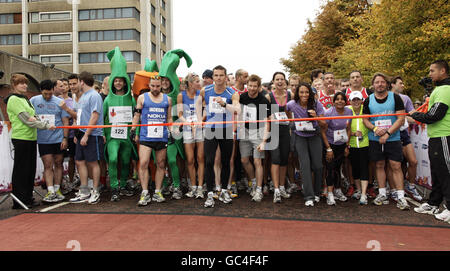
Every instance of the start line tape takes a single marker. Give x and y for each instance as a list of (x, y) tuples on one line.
[(229, 122)]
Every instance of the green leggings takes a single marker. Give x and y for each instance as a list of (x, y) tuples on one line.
[(114, 148)]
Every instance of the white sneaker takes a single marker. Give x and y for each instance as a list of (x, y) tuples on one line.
[(317, 199), (284, 194), (144, 199), (209, 203), (258, 196), (276, 197), (225, 197), (199, 193), (380, 200), (309, 203), (444, 216), (330, 199), (191, 192), (80, 198), (356, 195), (339, 195), (95, 197), (363, 200), (426, 208), (402, 204)]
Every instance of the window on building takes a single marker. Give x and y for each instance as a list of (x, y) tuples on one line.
[(12, 18), (153, 11), (10, 39), (163, 21), (153, 48), (10, 1), (163, 4), (100, 57), (108, 13), (120, 34), (58, 37), (163, 38), (56, 58), (153, 29), (55, 16)]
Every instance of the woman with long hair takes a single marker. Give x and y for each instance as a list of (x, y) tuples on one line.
[(308, 142)]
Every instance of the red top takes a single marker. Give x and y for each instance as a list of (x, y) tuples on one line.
[(325, 100), (238, 91), (363, 92)]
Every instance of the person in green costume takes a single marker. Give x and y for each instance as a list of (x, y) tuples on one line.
[(171, 87), (118, 109)]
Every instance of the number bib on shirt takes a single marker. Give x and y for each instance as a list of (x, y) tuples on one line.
[(119, 132), (340, 136), (304, 126), (155, 131), (281, 116), (50, 119), (192, 118), (79, 117), (250, 113), (120, 114), (383, 124), (215, 107)]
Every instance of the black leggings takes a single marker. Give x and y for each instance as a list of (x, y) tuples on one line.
[(334, 167), (225, 143), (359, 158), (280, 155)]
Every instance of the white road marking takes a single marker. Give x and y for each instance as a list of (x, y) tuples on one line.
[(53, 207)]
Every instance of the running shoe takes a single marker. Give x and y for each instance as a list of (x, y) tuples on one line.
[(350, 191), (177, 193), (258, 196), (426, 208), (225, 197), (191, 192), (380, 200), (209, 203), (309, 203), (339, 195), (292, 188), (284, 194), (276, 197), (316, 199), (412, 191), (80, 198), (126, 192), (232, 194), (371, 193), (144, 200), (216, 194), (444, 216), (363, 200), (394, 195), (356, 195), (95, 197), (330, 200), (266, 190), (402, 204), (60, 195), (158, 197), (199, 193), (50, 197), (115, 195)]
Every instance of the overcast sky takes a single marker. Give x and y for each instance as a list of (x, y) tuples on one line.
[(249, 34)]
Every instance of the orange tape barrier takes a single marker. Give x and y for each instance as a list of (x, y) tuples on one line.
[(228, 122)]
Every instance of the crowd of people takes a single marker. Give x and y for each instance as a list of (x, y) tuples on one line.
[(331, 159)]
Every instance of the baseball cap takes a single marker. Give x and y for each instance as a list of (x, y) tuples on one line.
[(355, 94), (208, 74)]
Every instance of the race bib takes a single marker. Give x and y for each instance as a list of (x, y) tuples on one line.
[(215, 107), (383, 124), (304, 126), (281, 116), (340, 136), (120, 114), (250, 113), (50, 119), (191, 118), (79, 117), (119, 132), (155, 131)]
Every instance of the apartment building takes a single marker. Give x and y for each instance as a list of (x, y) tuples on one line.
[(75, 35)]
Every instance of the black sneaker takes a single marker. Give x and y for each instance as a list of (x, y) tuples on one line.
[(115, 195), (126, 192)]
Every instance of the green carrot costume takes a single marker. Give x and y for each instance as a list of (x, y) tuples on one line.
[(168, 69), (118, 110)]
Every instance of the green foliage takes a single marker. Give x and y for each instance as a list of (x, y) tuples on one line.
[(394, 37)]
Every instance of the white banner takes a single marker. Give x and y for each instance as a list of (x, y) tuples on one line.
[(419, 140), (7, 161)]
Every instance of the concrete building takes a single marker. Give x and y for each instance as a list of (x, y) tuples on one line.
[(75, 35)]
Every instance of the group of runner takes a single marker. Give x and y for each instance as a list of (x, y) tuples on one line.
[(269, 148)]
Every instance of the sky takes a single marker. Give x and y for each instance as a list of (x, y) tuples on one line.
[(250, 34)]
